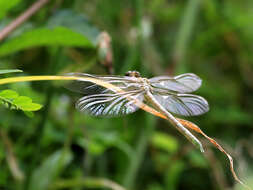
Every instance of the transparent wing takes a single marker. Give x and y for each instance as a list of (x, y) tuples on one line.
[(88, 88), (101, 101), (184, 83), (109, 104), (183, 104)]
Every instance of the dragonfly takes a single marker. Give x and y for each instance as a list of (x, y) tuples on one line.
[(164, 93)]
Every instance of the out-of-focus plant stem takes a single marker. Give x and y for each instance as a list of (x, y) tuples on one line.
[(10, 157), (67, 143), (139, 13), (134, 50), (148, 127), (86, 182), (184, 35), (145, 134), (49, 90)]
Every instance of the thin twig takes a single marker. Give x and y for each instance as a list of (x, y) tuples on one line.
[(22, 18)]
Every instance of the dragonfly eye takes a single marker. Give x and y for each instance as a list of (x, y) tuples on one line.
[(137, 74), (128, 73), (133, 74)]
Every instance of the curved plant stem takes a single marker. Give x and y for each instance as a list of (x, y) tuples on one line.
[(34, 78)]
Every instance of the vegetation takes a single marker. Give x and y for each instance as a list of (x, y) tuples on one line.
[(47, 144)]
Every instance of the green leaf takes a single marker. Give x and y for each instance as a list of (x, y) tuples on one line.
[(44, 175), (10, 71), (5, 6), (26, 104), (164, 142), (10, 94), (45, 37), (14, 101)]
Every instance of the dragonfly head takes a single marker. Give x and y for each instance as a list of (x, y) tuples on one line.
[(133, 74)]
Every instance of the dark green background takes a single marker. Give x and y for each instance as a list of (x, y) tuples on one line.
[(60, 146)]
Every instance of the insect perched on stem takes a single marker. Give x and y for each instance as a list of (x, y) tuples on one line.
[(165, 94)]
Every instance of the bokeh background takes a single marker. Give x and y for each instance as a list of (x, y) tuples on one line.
[(61, 148)]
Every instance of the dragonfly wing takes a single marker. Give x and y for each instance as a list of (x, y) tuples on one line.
[(183, 104), (101, 101), (87, 87), (109, 104), (184, 83)]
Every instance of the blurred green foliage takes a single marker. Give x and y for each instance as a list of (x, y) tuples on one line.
[(2, 71), (59, 146)]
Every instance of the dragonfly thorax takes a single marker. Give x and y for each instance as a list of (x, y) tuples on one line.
[(145, 84)]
